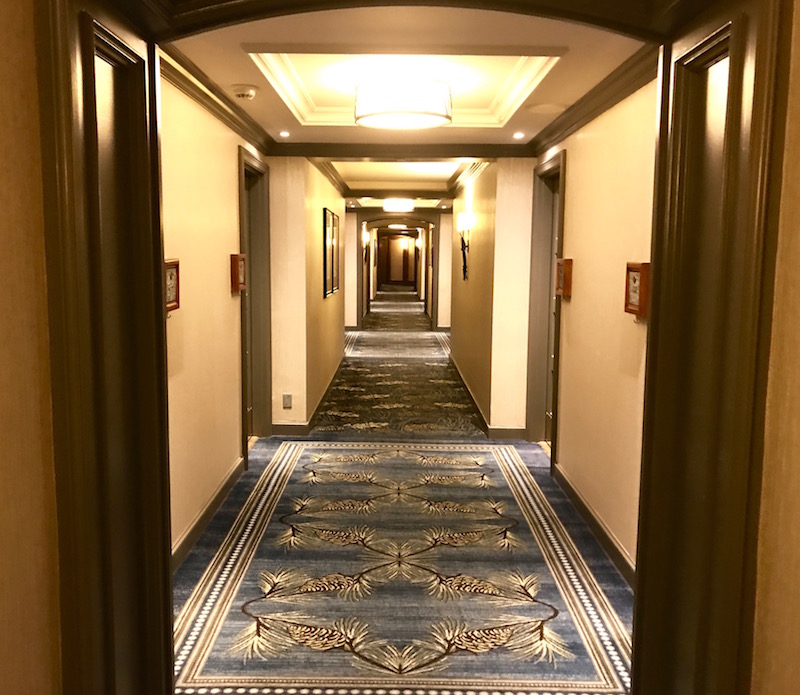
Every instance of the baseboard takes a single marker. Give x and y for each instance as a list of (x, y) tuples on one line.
[(187, 541), (483, 423), (301, 429), (600, 532), (351, 328), (506, 432)]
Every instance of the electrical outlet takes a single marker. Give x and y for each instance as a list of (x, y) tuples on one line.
[(287, 401)]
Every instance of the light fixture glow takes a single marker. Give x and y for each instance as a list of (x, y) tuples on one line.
[(404, 244), (365, 237), (398, 205), (397, 226), (408, 105), (419, 242), (465, 221), (284, 133), (519, 135)]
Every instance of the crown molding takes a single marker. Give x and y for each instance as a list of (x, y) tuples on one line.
[(182, 73), (640, 69), (385, 152)]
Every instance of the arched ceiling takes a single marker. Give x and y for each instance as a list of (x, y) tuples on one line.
[(522, 64), (645, 19)]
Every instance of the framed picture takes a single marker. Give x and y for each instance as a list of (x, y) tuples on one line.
[(238, 272), (564, 278), (327, 252), (335, 252), (172, 285), (637, 289)]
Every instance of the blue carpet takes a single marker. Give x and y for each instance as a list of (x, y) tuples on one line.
[(399, 569)]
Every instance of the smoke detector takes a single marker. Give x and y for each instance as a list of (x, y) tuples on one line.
[(244, 91)]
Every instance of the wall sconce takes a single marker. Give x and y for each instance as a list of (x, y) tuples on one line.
[(419, 242), (465, 221), (366, 238), (404, 244)]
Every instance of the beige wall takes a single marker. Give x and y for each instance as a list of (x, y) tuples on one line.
[(288, 285), (201, 229), (607, 223), (471, 307), (351, 240), (29, 640), (445, 277), (776, 668), (512, 266), (324, 317)]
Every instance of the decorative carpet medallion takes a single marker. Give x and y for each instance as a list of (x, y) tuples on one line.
[(399, 569)]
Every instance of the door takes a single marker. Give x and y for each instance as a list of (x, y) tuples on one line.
[(544, 322), (554, 311), (255, 299)]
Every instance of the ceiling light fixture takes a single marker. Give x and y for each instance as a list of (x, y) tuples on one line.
[(398, 205), (409, 105), (397, 226), (247, 92), (284, 133), (519, 135)]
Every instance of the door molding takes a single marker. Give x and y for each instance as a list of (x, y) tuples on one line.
[(258, 294), (540, 291), (709, 334), (101, 594)]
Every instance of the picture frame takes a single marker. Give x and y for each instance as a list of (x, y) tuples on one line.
[(563, 279), (335, 253), (328, 251), (172, 284), (637, 289), (238, 272)]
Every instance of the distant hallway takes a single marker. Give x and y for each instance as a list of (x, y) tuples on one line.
[(396, 379)]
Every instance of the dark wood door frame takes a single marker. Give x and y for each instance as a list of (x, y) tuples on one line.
[(254, 241), (103, 594), (708, 350), (541, 290), (675, 654)]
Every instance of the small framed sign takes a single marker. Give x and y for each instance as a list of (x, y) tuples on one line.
[(172, 287), (564, 278), (637, 289), (238, 272)]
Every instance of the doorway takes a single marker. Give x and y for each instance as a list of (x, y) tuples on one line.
[(255, 299), (547, 244)]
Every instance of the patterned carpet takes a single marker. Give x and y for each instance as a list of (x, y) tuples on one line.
[(362, 568), (396, 551), (397, 381)]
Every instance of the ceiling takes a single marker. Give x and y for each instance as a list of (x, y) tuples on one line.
[(510, 75)]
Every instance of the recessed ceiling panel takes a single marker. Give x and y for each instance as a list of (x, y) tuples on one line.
[(319, 89)]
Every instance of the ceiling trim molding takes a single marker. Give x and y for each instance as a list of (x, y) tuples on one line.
[(632, 75), (182, 73), (329, 172), (630, 17), (421, 193), (385, 152)]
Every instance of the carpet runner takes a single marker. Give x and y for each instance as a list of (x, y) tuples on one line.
[(405, 568)]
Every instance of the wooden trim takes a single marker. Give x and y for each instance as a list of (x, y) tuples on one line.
[(182, 73), (515, 433), (640, 69), (329, 171), (291, 429), (707, 369), (184, 546), (389, 152), (599, 531), (627, 17)]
